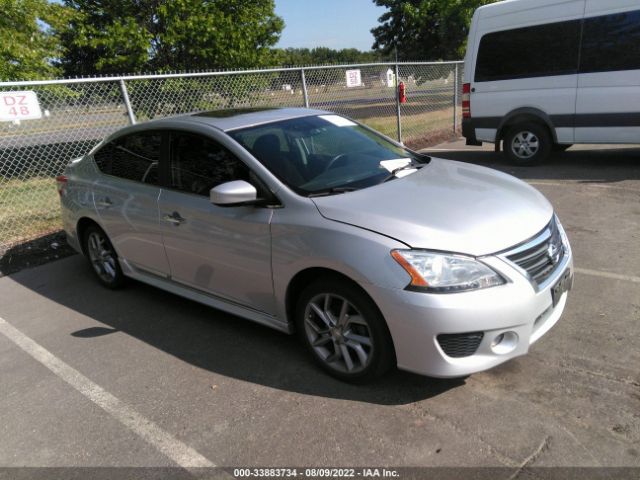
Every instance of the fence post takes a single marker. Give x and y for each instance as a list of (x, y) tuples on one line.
[(305, 93), (398, 118), (127, 102), (456, 87)]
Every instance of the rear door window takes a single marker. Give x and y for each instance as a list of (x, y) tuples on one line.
[(132, 157), (538, 51), (611, 43)]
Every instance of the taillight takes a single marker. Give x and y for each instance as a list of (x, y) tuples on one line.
[(466, 100), (61, 181)]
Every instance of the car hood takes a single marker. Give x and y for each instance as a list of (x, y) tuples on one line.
[(446, 205)]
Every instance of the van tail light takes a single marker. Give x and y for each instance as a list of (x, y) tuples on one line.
[(61, 181), (466, 100)]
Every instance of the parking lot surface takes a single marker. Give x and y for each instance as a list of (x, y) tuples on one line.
[(141, 378)]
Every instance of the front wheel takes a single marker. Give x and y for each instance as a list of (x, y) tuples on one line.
[(344, 331), (527, 144), (102, 257)]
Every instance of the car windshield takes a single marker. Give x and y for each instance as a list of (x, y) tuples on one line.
[(326, 154)]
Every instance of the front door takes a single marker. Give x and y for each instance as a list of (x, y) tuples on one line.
[(225, 251)]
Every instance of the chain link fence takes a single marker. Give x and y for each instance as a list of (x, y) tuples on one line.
[(76, 114)]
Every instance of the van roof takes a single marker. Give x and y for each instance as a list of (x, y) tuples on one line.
[(506, 6)]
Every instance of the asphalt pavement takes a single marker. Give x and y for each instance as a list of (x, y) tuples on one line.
[(141, 378)]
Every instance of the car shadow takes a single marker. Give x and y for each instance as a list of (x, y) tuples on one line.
[(210, 339), (588, 166)]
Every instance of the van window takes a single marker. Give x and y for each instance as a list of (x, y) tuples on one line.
[(538, 51), (611, 43)]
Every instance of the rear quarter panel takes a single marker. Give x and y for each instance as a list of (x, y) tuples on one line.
[(77, 201)]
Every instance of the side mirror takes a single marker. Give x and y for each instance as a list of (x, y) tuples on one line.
[(233, 193)]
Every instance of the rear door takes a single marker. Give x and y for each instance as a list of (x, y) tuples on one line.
[(526, 59), (225, 251), (126, 199), (608, 106)]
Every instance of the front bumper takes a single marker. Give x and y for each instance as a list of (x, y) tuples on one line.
[(415, 320)]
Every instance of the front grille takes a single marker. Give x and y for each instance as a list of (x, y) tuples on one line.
[(541, 258), (458, 345)]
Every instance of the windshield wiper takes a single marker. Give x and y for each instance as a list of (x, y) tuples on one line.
[(409, 166), (332, 191)]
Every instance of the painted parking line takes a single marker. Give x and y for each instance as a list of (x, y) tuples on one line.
[(614, 276), (593, 185), (185, 456)]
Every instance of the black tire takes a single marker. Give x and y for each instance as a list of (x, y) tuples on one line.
[(527, 144), (562, 147), (102, 257), (380, 354)]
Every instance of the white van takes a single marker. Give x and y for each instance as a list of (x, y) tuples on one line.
[(545, 74)]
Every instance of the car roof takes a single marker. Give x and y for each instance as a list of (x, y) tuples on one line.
[(233, 119)]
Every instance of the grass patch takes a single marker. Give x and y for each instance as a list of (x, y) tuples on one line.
[(413, 125), (28, 208)]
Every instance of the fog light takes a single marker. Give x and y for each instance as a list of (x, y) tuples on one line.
[(504, 343)]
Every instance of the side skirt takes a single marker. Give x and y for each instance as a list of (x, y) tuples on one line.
[(205, 298)]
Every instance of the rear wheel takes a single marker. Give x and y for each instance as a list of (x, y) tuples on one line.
[(102, 257), (344, 331), (527, 144)]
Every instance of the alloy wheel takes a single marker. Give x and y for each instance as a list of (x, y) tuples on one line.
[(102, 257), (338, 333)]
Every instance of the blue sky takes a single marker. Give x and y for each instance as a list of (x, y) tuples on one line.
[(328, 23)]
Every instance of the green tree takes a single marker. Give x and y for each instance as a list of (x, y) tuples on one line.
[(28, 46), (116, 36), (97, 39), (425, 29), (291, 57)]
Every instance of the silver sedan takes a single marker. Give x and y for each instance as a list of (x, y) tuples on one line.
[(308, 222)]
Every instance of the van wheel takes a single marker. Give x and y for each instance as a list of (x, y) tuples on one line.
[(344, 331), (102, 257), (527, 144)]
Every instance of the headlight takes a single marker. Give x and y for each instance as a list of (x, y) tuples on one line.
[(442, 273)]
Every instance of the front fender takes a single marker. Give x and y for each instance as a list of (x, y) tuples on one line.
[(312, 241)]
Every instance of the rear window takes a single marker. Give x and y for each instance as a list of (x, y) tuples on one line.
[(538, 51), (611, 42)]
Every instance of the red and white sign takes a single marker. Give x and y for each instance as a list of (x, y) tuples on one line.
[(19, 106), (354, 79)]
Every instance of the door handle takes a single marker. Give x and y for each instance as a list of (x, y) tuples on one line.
[(174, 218), (105, 202)]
